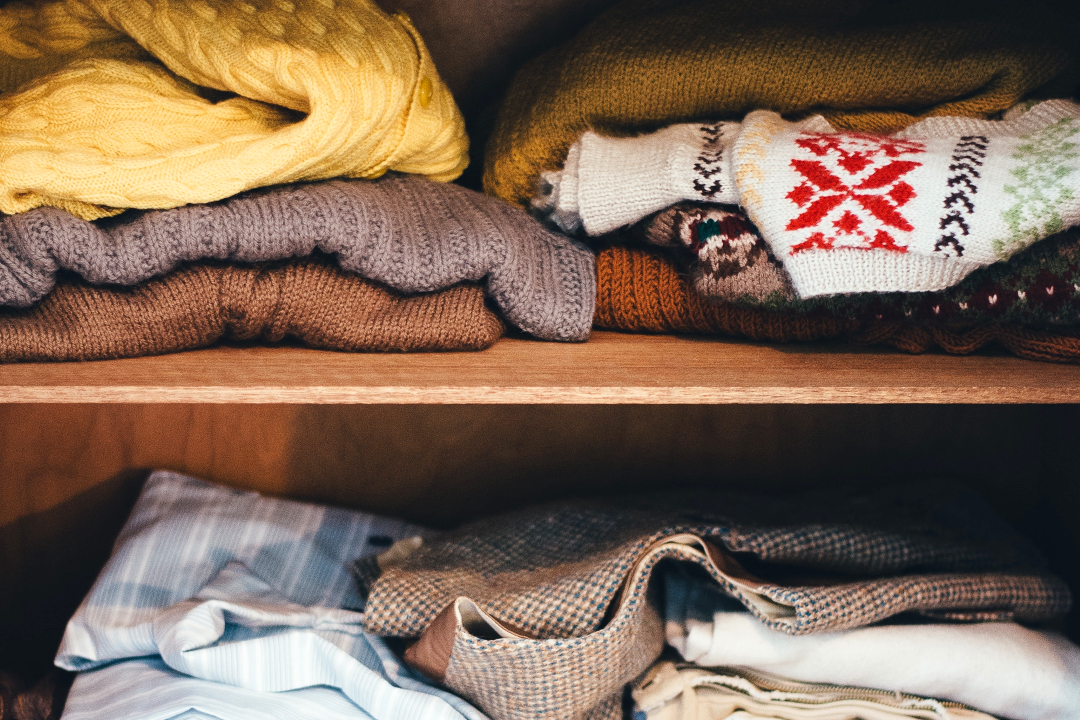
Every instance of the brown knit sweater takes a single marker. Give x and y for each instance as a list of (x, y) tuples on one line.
[(642, 291), (309, 299)]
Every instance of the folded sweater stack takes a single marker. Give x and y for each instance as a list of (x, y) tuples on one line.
[(140, 142), (857, 151)]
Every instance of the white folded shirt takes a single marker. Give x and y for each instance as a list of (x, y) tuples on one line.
[(1000, 668)]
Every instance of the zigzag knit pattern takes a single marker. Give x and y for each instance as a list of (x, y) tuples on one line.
[(105, 102), (645, 64), (407, 232)]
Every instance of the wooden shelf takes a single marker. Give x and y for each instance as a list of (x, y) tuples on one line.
[(611, 368)]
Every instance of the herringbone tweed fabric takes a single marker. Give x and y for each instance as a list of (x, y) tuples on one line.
[(553, 571), (572, 678), (569, 583)]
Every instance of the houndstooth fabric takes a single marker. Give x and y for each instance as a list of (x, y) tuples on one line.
[(572, 580), (553, 571), (572, 678)]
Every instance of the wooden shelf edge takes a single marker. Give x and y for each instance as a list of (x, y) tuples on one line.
[(589, 395)]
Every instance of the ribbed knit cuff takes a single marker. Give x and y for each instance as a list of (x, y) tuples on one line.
[(610, 182), (832, 272)]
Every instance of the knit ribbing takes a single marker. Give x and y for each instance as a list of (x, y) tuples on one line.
[(111, 126), (309, 300), (609, 182), (640, 291), (406, 232), (649, 63)]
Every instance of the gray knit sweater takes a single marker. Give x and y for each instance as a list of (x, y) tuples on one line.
[(407, 232)]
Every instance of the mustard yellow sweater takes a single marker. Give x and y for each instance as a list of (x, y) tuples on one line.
[(112, 104), (871, 65)]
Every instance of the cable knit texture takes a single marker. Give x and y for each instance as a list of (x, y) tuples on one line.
[(649, 63), (310, 300), (918, 211), (641, 291), (407, 232), (110, 103)]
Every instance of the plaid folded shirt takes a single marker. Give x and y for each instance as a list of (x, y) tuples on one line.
[(546, 612)]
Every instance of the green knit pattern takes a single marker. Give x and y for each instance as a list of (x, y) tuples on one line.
[(1039, 190)]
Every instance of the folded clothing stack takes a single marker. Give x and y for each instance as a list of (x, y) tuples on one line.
[(226, 605), (795, 124), (551, 611), (136, 138), (412, 254)]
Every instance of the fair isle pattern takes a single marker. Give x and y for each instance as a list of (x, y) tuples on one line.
[(553, 571), (1040, 186), (853, 213), (968, 157), (728, 259), (709, 169), (852, 191)]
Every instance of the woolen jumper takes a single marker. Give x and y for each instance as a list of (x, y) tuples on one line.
[(852, 212), (100, 109), (865, 65), (727, 261), (406, 232), (642, 291), (310, 300)]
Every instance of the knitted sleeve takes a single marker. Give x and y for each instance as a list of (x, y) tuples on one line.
[(323, 88), (863, 64)]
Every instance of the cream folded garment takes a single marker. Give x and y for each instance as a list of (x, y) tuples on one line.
[(1001, 668), (845, 212), (670, 692)]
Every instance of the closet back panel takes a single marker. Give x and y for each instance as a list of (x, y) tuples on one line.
[(71, 473)]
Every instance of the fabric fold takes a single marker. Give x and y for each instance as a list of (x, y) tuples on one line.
[(408, 233), (1001, 668), (549, 611), (232, 605), (310, 300), (643, 291), (849, 212), (112, 104), (865, 66), (673, 692)]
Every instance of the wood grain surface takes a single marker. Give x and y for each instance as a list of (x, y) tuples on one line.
[(610, 368)]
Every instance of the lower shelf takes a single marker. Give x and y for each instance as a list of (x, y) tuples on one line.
[(610, 368)]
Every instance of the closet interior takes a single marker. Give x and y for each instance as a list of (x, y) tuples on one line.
[(442, 439)]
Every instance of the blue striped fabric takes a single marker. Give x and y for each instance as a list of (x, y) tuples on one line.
[(230, 605)]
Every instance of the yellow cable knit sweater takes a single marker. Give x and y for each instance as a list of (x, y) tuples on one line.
[(112, 104)]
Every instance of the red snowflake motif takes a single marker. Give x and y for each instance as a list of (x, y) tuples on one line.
[(852, 196)]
